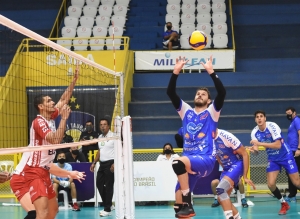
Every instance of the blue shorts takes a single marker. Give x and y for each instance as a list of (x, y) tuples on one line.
[(288, 164), (235, 172), (203, 165)]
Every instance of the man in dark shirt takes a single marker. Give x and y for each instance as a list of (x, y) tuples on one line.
[(171, 38), (89, 134), (75, 156)]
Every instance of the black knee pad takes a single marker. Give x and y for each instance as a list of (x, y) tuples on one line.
[(31, 215), (178, 167), (177, 207)]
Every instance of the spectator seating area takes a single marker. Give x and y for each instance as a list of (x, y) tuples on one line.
[(93, 20), (209, 17)]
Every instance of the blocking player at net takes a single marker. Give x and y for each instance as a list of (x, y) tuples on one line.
[(199, 126), (268, 135), (43, 132), (234, 159)]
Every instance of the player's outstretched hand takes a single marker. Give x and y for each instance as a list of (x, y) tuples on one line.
[(253, 150), (180, 62), (249, 182), (77, 175), (4, 176), (208, 65)]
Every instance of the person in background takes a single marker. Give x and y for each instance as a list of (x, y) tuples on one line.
[(74, 155), (89, 134), (293, 136), (168, 153), (171, 38), (67, 184)]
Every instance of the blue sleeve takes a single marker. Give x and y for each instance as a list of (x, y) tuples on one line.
[(297, 124)]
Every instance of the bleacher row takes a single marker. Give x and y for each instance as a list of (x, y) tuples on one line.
[(199, 15), (93, 19)]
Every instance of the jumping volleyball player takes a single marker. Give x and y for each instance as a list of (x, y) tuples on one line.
[(43, 132), (199, 126), (21, 189)]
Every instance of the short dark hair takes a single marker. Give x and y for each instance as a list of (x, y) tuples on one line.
[(60, 152), (169, 23), (105, 119), (291, 108), (89, 121), (259, 111), (39, 99), (205, 89), (173, 152)]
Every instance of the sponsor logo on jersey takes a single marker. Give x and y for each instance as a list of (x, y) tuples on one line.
[(187, 135), (274, 130), (193, 128), (189, 116), (225, 156), (204, 116), (229, 138), (201, 135)]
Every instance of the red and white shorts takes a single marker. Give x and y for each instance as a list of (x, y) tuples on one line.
[(19, 185), (39, 183)]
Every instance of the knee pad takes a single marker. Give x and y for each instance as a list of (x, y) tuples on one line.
[(178, 167), (31, 215), (177, 207), (222, 189)]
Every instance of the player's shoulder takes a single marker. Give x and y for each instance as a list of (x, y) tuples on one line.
[(254, 130), (272, 125)]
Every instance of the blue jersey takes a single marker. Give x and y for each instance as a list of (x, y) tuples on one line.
[(168, 32), (226, 144), (198, 129), (269, 135), (292, 135)]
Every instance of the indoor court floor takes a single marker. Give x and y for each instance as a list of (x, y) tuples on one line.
[(264, 208)]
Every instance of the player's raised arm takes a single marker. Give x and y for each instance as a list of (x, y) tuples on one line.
[(171, 91), (65, 97), (221, 92)]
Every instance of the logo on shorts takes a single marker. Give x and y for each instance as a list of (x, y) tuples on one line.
[(290, 161), (31, 189)]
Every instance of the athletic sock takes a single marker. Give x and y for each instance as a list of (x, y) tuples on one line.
[(277, 194), (216, 197), (228, 214), (31, 215), (242, 196), (74, 200), (237, 216)]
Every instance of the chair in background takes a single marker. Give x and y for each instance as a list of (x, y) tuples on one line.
[(108, 2), (90, 11), (94, 3), (99, 31), (218, 7), (188, 1), (120, 10), (208, 45), (118, 20), (109, 44), (65, 43), (70, 21), (173, 9), (187, 29), (184, 41), (219, 17), (175, 2), (220, 40), (102, 21), (220, 28), (116, 31), (7, 165), (188, 8), (173, 18), (204, 18), (97, 44), (105, 10), (203, 8), (122, 2), (188, 18), (205, 27), (87, 21), (68, 32), (74, 11), (79, 3)]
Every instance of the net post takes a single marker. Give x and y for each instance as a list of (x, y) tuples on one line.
[(119, 168), (128, 168), (122, 94)]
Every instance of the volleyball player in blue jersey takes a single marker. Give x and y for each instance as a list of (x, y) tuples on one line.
[(199, 126), (268, 135), (234, 159)]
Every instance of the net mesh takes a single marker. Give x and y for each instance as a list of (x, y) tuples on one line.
[(29, 68)]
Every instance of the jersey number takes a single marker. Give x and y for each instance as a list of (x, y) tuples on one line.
[(51, 152)]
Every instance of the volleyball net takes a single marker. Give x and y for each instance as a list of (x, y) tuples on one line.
[(31, 65)]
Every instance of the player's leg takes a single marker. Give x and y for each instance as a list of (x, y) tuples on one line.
[(271, 178), (52, 208), (28, 206), (214, 185), (224, 189), (74, 197), (55, 187), (109, 189), (242, 193)]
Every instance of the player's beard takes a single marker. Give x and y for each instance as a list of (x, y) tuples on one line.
[(200, 104)]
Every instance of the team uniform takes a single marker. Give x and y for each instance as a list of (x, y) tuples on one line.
[(198, 134), (277, 158), (18, 183), (37, 169), (226, 144)]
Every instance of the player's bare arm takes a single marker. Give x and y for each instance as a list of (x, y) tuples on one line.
[(242, 151), (56, 137), (57, 171), (273, 145), (64, 99)]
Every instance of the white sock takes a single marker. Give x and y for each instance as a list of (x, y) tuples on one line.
[(228, 214), (282, 200), (74, 200), (242, 196), (237, 216), (185, 192), (216, 197)]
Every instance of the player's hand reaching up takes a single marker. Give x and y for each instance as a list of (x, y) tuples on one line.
[(65, 112), (180, 62), (208, 65)]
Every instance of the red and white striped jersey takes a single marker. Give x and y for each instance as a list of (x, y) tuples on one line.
[(39, 129)]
